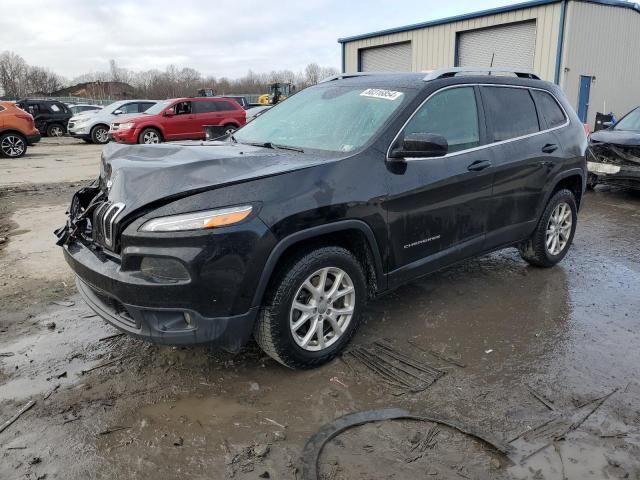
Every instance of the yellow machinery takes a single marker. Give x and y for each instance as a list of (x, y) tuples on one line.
[(277, 92)]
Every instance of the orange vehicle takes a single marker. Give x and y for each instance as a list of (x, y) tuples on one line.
[(17, 130)]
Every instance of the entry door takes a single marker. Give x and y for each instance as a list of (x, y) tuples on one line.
[(180, 126), (583, 98), (437, 207)]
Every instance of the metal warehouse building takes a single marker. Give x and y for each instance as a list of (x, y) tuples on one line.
[(591, 48)]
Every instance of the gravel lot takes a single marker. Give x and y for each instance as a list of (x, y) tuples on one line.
[(518, 347)]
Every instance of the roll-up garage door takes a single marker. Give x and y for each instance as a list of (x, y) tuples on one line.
[(388, 58), (511, 45)]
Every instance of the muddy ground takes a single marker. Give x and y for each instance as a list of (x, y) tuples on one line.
[(519, 347)]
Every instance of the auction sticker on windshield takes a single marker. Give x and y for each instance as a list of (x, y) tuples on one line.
[(381, 93)]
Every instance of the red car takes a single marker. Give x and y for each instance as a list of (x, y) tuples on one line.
[(179, 119)]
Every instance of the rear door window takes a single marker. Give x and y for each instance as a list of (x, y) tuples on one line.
[(452, 113), (144, 106), (204, 106), (510, 113), (225, 106), (549, 109)]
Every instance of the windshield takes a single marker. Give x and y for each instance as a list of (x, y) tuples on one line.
[(333, 118), (630, 122), (158, 107)]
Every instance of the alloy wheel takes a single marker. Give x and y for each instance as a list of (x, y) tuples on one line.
[(150, 138), (559, 229), (12, 146), (102, 135), (56, 131), (322, 309)]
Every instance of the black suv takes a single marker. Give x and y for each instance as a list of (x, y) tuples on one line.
[(342, 192), (51, 117)]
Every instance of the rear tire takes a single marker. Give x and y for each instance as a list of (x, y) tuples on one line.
[(100, 134), (12, 145), (553, 236), (55, 130), (312, 308), (229, 129), (150, 136)]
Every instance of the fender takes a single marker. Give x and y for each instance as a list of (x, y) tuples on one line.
[(552, 185), (310, 233)]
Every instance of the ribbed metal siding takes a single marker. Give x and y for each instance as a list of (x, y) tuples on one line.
[(604, 42), (506, 46), (390, 58), (434, 47)]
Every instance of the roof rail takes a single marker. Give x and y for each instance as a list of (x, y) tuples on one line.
[(453, 71), (352, 75)]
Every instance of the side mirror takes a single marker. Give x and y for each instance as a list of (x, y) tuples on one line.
[(118, 112), (420, 145), (169, 113)]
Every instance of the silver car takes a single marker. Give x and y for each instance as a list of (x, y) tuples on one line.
[(93, 126)]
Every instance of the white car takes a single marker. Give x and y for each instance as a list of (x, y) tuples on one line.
[(83, 108), (93, 126)]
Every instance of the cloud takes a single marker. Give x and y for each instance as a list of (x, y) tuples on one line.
[(220, 39)]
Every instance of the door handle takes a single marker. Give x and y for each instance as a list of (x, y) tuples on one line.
[(550, 148), (479, 165)]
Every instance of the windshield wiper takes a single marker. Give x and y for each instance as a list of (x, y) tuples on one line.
[(275, 146)]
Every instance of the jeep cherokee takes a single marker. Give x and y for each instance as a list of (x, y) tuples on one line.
[(338, 194)]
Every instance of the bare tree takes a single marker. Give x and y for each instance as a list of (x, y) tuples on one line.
[(312, 74), (13, 70)]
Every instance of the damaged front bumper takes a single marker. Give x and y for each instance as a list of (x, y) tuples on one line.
[(614, 165), (174, 289), (133, 304)]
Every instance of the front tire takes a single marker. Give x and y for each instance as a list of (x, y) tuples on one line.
[(312, 308), (12, 145), (553, 236), (100, 134), (150, 136)]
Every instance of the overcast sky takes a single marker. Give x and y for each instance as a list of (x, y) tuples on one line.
[(72, 37)]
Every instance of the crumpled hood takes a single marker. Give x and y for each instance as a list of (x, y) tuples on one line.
[(617, 137), (139, 174)]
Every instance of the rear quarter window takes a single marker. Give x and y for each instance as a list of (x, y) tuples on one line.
[(549, 109), (510, 113)]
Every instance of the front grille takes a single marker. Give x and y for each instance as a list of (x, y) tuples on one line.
[(103, 223)]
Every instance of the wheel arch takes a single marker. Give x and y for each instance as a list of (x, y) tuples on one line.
[(99, 124), (355, 235), (573, 180), (14, 131)]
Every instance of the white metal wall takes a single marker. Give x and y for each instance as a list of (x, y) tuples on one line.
[(509, 45), (434, 47), (388, 58), (604, 42)]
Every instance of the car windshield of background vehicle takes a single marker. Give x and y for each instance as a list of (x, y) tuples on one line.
[(331, 118), (158, 107), (629, 123)]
